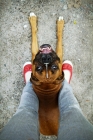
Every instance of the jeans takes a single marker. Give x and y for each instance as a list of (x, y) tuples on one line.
[(24, 124)]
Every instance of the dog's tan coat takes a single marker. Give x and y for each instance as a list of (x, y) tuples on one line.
[(47, 93)]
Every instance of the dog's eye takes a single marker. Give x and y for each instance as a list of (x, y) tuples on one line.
[(39, 68), (54, 67)]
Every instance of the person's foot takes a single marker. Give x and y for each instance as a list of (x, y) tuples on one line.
[(67, 68), (27, 69)]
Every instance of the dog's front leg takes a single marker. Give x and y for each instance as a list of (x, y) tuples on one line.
[(34, 45), (59, 48)]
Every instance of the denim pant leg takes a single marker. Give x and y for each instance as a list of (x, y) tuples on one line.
[(24, 124), (72, 124)]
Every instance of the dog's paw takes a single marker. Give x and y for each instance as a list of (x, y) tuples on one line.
[(60, 18), (32, 14)]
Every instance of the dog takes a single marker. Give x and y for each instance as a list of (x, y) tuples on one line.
[(47, 77)]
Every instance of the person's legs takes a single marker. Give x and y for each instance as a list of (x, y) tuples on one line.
[(24, 123), (72, 125)]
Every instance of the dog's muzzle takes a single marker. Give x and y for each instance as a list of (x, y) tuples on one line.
[(46, 58)]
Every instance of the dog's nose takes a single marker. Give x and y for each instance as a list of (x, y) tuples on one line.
[(46, 58)]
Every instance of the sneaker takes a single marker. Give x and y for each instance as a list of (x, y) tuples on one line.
[(67, 68), (27, 69)]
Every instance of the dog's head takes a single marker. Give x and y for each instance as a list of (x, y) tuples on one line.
[(47, 67)]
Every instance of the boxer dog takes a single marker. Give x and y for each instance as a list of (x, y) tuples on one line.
[(47, 77)]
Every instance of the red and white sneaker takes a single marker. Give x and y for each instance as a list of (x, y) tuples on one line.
[(27, 69), (67, 68)]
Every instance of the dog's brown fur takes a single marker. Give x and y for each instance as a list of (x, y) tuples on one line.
[(47, 89)]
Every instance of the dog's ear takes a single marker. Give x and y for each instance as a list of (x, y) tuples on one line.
[(59, 79), (34, 80)]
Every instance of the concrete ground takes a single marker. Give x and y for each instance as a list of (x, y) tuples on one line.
[(15, 42)]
